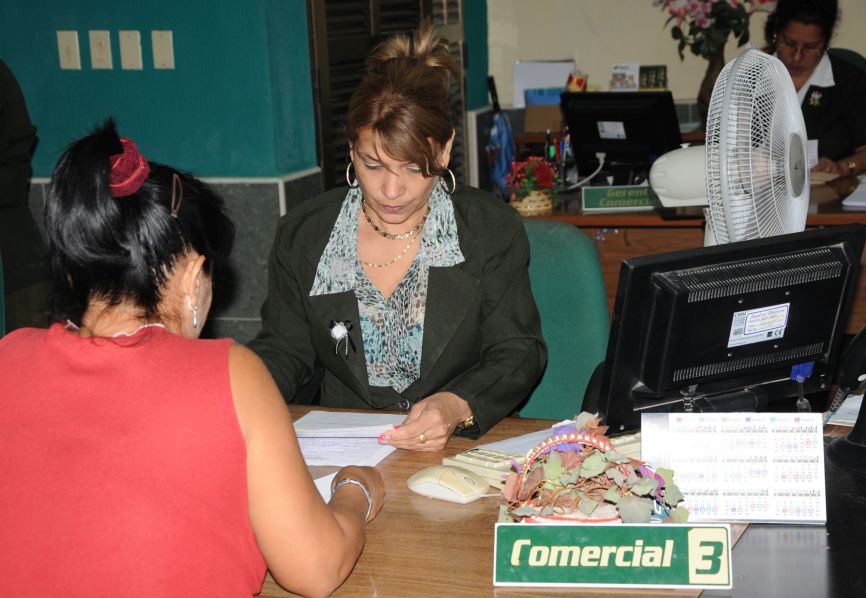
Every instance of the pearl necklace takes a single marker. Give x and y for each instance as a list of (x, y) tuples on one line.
[(398, 236), (391, 261)]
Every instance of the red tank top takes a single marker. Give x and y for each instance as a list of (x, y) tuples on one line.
[(122, 468)]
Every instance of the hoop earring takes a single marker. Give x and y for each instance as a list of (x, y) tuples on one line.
[(453, 182), (348, 178)]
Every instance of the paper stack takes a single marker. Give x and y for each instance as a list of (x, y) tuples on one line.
[(342, 438)]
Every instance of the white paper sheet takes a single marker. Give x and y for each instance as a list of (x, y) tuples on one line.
[(346, 424), (522, 444), (857, 199), (847, 413), (323, 485), (343, 451)]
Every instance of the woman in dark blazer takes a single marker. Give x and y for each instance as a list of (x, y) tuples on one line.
[(830, 90), (410, 291)]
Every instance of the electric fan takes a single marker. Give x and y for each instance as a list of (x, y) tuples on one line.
[(753, 170)]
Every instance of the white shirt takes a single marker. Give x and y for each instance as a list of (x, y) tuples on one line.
[(822, 76)]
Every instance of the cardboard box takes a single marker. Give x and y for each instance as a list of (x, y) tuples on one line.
[(538, 119)]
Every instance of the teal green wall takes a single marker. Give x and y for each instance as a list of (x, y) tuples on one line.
[(475, 32), (238, 104)]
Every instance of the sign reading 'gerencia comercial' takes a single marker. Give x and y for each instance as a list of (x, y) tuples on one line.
[(660, 555)]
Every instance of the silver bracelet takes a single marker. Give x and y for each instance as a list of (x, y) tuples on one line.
[(363, 488)]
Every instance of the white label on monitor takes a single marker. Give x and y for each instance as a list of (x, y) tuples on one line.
[(611, 129), (758, 325)]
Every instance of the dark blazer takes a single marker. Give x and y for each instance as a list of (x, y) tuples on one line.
[(482, 334), (835, 115)]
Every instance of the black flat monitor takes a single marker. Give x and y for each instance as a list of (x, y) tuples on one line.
[(720, 328), (632, 128)]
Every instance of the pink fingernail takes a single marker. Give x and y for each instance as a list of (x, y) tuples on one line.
[(381, 439)]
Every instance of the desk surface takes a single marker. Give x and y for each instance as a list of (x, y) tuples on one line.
[(825, 209), (420, 546)]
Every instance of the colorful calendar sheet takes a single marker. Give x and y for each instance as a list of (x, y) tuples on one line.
[(756, 467)]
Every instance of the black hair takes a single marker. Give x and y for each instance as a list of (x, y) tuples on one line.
[(123, 248), (822, 13)]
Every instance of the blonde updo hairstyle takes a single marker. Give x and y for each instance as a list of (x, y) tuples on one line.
[(403, 99)]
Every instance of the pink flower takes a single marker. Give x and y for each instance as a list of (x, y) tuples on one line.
[(703, 25)]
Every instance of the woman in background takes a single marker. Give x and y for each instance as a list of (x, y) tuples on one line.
[(137, 459), (832, 92), (409, 290)]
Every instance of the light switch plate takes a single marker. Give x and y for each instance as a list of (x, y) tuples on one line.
[(100, 49), (163, 49), (67, 48), (130, 50)]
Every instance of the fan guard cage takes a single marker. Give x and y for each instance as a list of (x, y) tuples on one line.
[(756, 166)]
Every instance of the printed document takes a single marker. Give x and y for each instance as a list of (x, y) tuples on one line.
[(343, 438)]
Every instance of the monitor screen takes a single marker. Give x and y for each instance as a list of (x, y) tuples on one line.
[(632, 128), (719, 328)]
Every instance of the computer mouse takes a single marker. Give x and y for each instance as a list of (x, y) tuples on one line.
[(447, 482)]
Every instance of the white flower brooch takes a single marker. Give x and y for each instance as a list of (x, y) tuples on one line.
[(340, 333)]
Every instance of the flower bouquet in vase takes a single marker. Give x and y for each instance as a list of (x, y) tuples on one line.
[(576, 476), (532, 186)]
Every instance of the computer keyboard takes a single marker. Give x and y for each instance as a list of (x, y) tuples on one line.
[(493, 466), (627, 444)]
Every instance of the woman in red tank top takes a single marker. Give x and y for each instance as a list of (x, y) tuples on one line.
[(136, 458)]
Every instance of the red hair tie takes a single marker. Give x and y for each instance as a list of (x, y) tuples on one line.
[(128, 170)]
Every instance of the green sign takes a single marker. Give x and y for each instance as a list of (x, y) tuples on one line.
[(627, 198), (660, 555)]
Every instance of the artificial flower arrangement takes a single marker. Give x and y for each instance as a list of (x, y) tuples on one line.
[(704, 25), (533, 174), (575, 475)]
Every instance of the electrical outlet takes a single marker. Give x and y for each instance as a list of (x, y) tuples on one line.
[(163, 49), (130, 50), (67, 48), (100, 50)]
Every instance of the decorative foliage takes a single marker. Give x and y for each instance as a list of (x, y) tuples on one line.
[(575, 474), (533, 174), (704, 26)]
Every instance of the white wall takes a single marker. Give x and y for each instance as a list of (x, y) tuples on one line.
[(600, 33)]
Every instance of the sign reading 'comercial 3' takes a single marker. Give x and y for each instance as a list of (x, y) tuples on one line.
[(661, 555)]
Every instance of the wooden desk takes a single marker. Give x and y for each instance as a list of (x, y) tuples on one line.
[(621, 235), (418, 546)]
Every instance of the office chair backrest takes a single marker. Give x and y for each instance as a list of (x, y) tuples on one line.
[(565, 274), (853, 58), (2, 301)]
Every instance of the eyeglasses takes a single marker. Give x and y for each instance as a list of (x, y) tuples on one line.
[(792, 46)]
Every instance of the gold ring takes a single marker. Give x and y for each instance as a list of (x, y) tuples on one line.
[(421, 439)]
